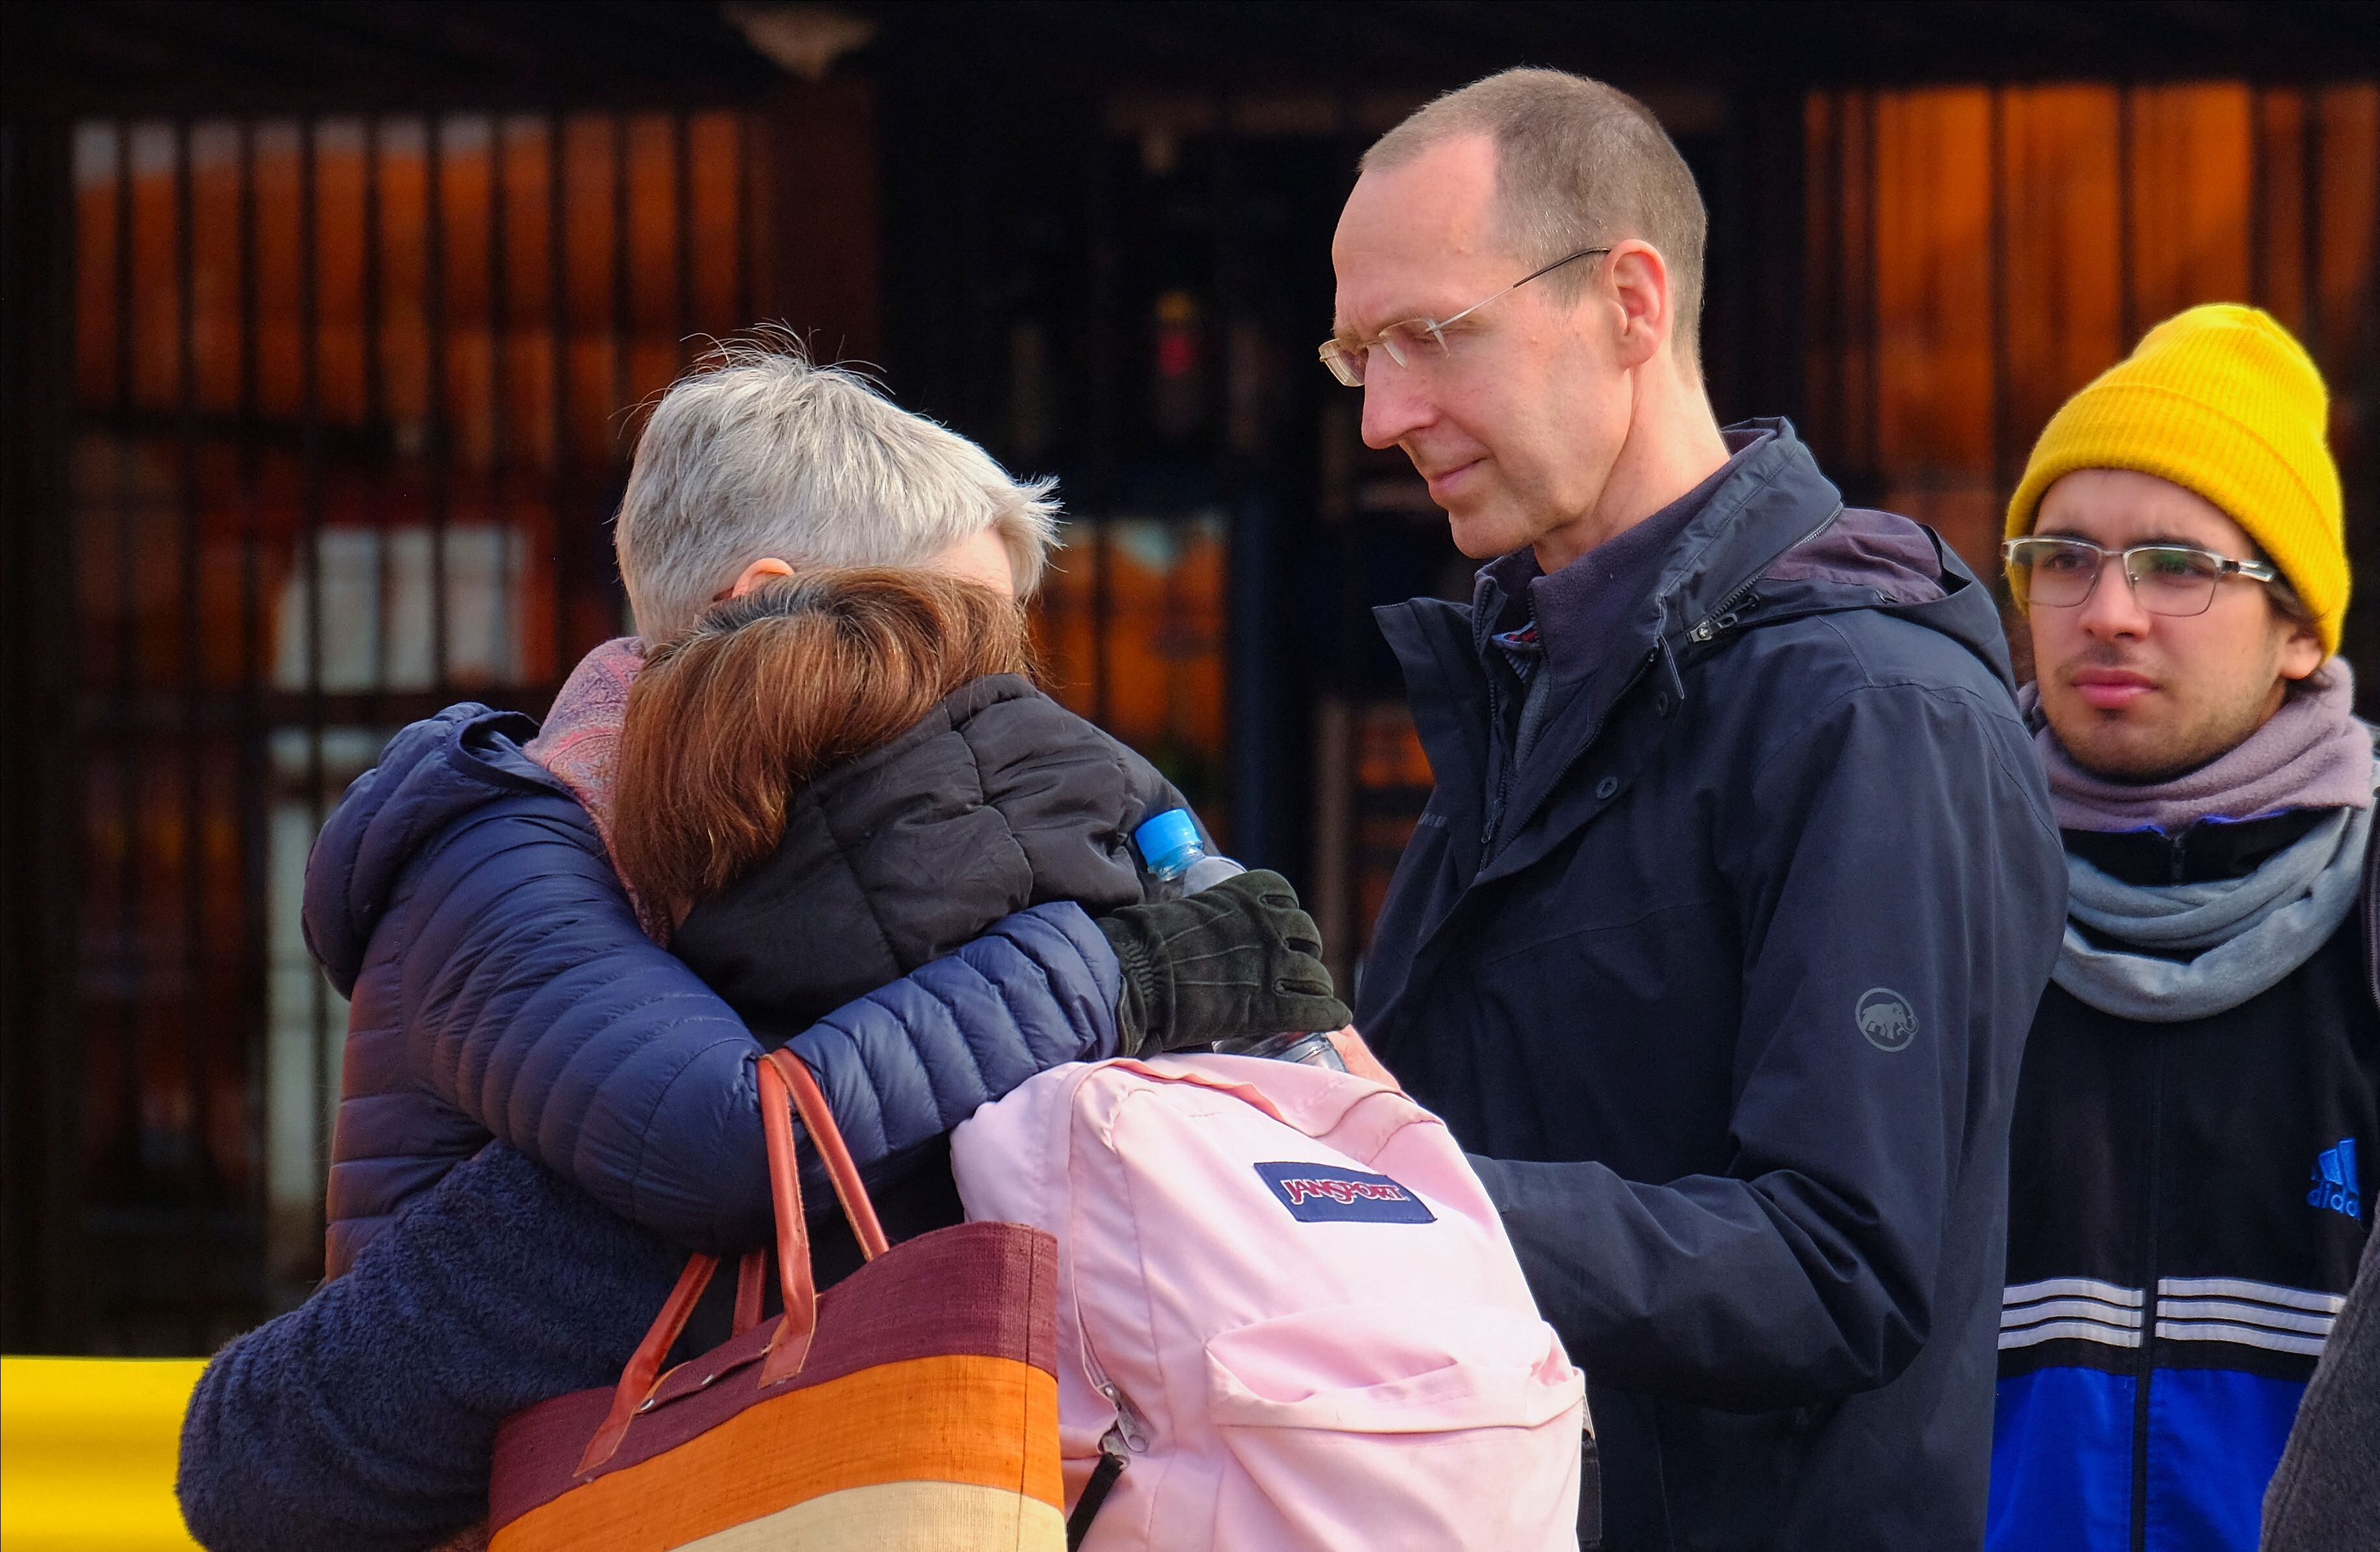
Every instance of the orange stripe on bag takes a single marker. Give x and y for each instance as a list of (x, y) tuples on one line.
[(925, 1422)]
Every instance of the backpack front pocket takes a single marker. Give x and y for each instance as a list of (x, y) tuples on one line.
[(1408, 1426)]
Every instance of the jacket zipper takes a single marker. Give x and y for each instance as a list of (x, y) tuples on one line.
[(2143, 1365), (1505, 761), (1723, 618)]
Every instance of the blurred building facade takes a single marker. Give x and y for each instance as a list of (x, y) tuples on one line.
[(324, 329)]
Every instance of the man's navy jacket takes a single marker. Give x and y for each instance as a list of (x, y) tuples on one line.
[(1727, 978)]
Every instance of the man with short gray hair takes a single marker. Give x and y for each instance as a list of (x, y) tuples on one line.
[(1719, 938), (759, 464)]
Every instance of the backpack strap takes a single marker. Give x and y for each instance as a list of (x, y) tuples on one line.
[(1095, 1491)]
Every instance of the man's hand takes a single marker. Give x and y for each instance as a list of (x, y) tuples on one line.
[(1237, 960)]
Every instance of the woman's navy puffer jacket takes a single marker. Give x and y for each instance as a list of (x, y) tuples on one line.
[(365, 1418), (501, 988)]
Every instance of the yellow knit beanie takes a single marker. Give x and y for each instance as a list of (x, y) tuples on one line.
[(2220, 400)]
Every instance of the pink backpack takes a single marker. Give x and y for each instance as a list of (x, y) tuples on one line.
[(1288, 1317)]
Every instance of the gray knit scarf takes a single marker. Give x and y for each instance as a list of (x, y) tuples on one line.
[(2246, 934), (2238, 936)]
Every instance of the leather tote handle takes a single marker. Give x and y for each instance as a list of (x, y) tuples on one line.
[(784, 1076), (749, 1274), (817, 1119), (642, 1376), (785, 1085), (791, 1346)]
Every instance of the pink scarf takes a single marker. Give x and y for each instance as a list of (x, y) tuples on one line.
[(2312, 753), (580, 743)]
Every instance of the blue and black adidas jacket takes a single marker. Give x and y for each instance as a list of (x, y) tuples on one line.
[(2187, 1208)]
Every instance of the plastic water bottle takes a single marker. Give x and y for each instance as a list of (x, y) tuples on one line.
[(1172, 851), (1170, 846)]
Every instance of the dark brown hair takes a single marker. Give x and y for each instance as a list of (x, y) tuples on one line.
[(769, 691)]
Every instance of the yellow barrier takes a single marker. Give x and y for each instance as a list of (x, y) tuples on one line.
[(86, 1452)]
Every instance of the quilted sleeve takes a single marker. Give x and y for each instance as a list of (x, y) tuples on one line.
[(532, 1001), (908, 1062)]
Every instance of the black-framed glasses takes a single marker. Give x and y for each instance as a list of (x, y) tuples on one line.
[(2171, 579), (1416, 336)]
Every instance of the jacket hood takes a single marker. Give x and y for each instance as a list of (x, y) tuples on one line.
[(999, 800), (1775, 542), (1866, 559), (430, 775)]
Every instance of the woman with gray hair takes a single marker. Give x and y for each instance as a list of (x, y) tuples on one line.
[(515, 1019), (758, 467)]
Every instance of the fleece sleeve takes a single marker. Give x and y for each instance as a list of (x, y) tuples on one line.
[(366, 1418), (1900, 890), (533, 1002)]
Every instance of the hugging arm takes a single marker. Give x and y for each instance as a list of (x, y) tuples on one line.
[(532, 1001), (1238, 959), (465, 904)]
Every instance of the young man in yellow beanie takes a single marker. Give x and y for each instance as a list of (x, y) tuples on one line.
[(2197, 1106)]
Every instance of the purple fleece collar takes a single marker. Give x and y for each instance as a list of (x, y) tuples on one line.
[(2312, 753)]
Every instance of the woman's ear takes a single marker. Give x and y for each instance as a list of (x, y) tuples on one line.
[(768, 568)]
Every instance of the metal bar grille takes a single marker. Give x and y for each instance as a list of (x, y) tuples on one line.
[(335, 461)]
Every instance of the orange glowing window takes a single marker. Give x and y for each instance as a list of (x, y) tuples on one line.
[(1977, 254)]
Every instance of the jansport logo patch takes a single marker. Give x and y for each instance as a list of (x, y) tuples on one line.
[(1326, 1194), (2335, 1185)]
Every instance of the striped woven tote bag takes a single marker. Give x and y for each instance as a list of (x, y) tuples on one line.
[(913, 1405)]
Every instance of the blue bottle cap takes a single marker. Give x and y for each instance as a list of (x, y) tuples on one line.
[(1169, 843)]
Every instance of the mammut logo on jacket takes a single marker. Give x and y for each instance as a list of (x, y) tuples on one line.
[(1886, 1018), (2335, 1185), (1323, 1194)]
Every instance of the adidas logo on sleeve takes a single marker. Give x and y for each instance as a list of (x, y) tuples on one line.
[(2335, 1185)]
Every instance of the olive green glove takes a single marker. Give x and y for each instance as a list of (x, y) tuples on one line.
[(1236, 960)]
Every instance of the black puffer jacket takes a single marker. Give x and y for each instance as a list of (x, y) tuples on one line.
[(999, 800)]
